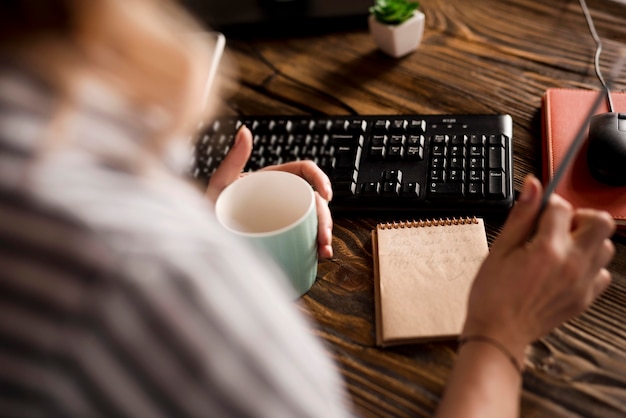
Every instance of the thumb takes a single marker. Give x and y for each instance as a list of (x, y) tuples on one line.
[(232, 165), (521, 220)]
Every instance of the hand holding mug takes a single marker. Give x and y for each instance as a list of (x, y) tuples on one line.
[(234, 162)]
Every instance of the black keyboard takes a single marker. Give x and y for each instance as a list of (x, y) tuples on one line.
[(452, 164)]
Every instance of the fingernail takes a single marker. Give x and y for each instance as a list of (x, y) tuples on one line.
[(238, 136), (329, 191)]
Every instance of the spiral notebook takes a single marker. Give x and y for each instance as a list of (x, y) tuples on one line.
[(423, 273)]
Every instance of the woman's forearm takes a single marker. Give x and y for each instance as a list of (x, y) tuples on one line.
[(484, 383)]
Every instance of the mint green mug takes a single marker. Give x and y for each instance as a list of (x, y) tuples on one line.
[(276, 212)]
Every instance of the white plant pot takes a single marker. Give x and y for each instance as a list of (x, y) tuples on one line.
[(398, 40)]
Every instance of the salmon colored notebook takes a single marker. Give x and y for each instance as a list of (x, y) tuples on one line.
[(563, 113), (423, 273)]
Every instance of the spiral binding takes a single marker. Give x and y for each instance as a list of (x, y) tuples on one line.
[(428, 222)]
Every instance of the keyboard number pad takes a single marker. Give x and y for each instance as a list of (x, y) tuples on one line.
[(467, 166)]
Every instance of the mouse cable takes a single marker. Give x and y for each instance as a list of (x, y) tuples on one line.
[(596, 60)]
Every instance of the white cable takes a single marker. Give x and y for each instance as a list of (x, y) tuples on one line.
[(596, 60)]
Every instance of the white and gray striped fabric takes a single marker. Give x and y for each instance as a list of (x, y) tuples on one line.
[(119, 294)]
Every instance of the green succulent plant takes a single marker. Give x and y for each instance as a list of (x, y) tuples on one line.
[(393, 12)]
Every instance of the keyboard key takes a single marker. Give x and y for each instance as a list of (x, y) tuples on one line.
[(438, 150), (414, 153), (357, 126), (416, 125), (447, 190), (440, 139), (476, 163), (345, 157), (381, 126), (457, 163), (438, 163), (280, 126), (496, 157), (496, 182), (416, 140), (476, 139), (397, 140), (398, 126), (410, 190), (438, 175), (344, 189), (339, 125), (391, 189), (301, 126), (475, 190), (459, 139), (456, 176), (371, 189), (321, 126), (476, 176), (498, 140), (396, 152), (348, 175), (377, 153), (392, 175)]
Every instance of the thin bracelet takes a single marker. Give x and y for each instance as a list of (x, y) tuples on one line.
[(498, 345)]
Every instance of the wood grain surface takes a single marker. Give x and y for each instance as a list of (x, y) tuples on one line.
[(480, 56)]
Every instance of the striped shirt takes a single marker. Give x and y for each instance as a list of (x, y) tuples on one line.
[(119, 294)]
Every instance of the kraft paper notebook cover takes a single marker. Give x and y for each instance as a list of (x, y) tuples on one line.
[(423, 273), (563, 113)]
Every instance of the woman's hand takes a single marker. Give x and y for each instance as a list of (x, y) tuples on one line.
[(235, 161), (525, 287)]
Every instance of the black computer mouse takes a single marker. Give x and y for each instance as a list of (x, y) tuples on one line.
[(606, 152)]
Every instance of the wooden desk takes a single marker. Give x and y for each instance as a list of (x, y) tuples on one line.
[(477, 56)]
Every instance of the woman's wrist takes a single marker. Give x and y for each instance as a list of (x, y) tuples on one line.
[(516, 360), (510, 343)]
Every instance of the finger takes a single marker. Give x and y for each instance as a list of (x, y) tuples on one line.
[(309, 171), (591, 235), (324, 227), (556, 222), (232, 165), (602, 255), (521, 219), (600, 283), (591, 227)]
